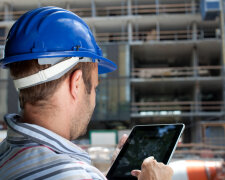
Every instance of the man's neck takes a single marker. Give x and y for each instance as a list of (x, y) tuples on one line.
[(48, 117)]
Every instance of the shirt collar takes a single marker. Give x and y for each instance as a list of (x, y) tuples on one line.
[(46, 137)]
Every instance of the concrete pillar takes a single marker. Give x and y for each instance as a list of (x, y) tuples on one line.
[(123, 28), (197, 93), (133, 94), (195, 62), (194, 31), (130, 32), (157, 6), (68, 6), (197, 97), (93, 8), (129, 9), (193, 7), (7, 12), (123, 8), (128, 69), (136, 5), (189, 35), (39, 4), (128, 60), (136, 26), (158, 31), (196, 133)]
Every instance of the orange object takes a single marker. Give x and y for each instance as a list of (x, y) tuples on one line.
[(195, 169)]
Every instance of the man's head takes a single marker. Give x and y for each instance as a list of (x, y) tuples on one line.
[(55, 60), (80, 84)]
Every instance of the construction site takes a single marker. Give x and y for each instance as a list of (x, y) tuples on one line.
[(171, 69)]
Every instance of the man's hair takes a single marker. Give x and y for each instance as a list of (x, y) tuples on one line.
[(44, 91)]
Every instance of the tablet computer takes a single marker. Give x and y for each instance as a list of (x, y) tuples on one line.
[(145, 140)]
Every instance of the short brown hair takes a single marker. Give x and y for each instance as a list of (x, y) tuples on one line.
[(43, 91)]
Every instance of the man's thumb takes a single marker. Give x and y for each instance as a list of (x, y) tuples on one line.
[(135, 173)]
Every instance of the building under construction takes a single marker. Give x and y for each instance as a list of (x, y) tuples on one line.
[(170, 65)]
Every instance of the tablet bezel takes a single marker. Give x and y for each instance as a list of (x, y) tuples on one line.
[(179, 131)]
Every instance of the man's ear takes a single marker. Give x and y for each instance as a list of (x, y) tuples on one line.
[(76, 80)]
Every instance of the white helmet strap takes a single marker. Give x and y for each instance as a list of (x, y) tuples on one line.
[(52, 73)]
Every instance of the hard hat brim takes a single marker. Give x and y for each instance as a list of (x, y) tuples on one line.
[(104, 65)]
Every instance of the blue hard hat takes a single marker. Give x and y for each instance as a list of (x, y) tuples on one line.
[(49, 32)]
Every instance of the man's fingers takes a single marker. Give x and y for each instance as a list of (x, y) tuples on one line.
[(149, 158), (151, 169), (148, 162), (135, 173), (122, 141)]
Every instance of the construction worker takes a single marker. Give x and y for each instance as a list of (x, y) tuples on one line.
[(54, 61)]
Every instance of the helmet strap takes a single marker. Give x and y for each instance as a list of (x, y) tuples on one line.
[(52, 73)]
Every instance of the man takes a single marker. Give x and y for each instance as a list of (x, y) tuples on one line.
[(55, 61)]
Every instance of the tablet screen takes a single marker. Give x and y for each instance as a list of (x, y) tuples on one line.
[(145, 141)]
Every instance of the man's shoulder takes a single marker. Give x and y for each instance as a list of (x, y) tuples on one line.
[(36, 155), (71, 169), (60, 170), (43, 162)]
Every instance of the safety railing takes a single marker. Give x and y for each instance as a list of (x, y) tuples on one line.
[(174, 35), (181, 106), (208, 33), (176, 72), (112, 37), (141, 9), (200, 149), (148, 9), (200, 145), (112, 11), (162, 35), (214, 140), (2, 16), (153, 35), (165, 8), (82, 12)]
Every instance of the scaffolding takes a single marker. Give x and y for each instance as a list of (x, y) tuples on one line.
[(170, 61)]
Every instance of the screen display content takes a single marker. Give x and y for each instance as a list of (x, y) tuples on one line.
[(145, 141)]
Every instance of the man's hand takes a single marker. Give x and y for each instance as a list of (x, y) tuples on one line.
[(119, 147), (152, 170)]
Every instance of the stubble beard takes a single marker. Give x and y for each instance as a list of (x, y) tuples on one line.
[(79, 127), (89, 115)]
